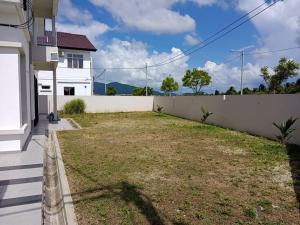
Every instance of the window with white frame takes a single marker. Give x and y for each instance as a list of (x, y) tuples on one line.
[(75, 61)]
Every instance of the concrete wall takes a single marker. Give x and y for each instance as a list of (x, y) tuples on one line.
[(101, 104), (254, 113)]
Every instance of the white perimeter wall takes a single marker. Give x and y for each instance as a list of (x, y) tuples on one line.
[(101, 104), (253, 114)]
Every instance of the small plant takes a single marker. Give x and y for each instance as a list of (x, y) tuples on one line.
[(159, 108), (285, 129), (250, 211), (75, 106), (205, 115), (200, 215)]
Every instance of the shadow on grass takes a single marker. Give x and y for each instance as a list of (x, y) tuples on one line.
[(129, 193), (294, 161), (160, 115)]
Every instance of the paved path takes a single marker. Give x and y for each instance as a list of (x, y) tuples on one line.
[(21, 176)]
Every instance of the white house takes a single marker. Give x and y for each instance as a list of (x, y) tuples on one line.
[(25, 46), (74, 70)]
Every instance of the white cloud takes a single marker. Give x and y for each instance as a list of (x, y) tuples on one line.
[(205, 2), (279, 28), (191, 40), (224, 76), (74, 20), (134, 54), (92, 31), (152, 16)]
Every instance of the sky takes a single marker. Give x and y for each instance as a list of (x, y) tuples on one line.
[(133, 33)]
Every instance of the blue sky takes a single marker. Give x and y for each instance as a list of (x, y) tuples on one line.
[(134, 32)]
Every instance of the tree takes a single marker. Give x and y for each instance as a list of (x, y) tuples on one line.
[(169, 85), (231, 91), (142, 91), (282, 72), (261, 88), (217, 92), (111, 91), (247, 91), (196, 79)]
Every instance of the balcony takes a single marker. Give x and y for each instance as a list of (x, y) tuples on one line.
[(45, 51), (45, 8)]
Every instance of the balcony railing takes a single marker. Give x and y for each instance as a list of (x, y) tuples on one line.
[(49, 39)]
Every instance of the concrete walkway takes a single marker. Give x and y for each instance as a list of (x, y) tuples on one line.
[(21, 179)]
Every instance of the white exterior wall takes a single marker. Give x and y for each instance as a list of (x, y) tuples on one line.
[(15, 81), (80, 79), (102, 104), (250, 113)]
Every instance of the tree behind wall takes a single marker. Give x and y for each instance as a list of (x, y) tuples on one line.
[(196, 80), (111, 91), (142, 91), (231, 91), (282, 72), (169, 85)]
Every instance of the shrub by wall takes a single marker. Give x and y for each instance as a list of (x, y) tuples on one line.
[(75, 106)]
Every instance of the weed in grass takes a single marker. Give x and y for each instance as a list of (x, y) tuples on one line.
[(102, 210), (265, 204), (127, 215), (239, 222), (200, 215), (250, 211)]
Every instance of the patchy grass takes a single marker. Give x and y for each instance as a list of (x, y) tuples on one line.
[(148, 168)]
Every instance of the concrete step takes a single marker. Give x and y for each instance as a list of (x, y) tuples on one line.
[(19, 174), (20, 190), (30, 214)]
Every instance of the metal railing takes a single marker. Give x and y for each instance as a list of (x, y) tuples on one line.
[(49, 39)]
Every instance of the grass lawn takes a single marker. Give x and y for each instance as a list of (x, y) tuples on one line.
[(146, 168)]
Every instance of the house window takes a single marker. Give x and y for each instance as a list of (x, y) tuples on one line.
[(45, 87), (75, 61), (69, 91)]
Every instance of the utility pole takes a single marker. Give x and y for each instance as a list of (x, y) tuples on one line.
[(146, 79), (242, 71), (242, 52), (105, 81), (103, 72)]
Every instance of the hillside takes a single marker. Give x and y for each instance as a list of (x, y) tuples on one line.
[(122, 89)]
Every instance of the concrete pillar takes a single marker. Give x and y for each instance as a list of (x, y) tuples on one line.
[(54, 37), (54, 95)]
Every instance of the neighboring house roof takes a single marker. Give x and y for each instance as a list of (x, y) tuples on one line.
[(74, 41)]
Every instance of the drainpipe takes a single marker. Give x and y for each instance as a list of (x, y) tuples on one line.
[(54, 42), (54, 95)]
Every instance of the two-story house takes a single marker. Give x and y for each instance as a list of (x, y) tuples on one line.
[(74, 70), (25, 47)]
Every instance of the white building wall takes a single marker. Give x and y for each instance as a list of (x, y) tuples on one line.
[(80, 79), (15, 81), (10, 113)]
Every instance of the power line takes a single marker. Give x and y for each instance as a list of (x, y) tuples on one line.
[(225, 62), (216, 39), (218, 32), (273, 51)]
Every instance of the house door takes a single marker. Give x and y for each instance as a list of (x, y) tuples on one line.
[(36, 101)]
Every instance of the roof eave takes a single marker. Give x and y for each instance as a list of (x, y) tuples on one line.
[(81, 49)]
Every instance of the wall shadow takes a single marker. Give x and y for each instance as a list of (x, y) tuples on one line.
[(294, 161)]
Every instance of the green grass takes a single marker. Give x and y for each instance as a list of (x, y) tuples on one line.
[(148, 168)]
